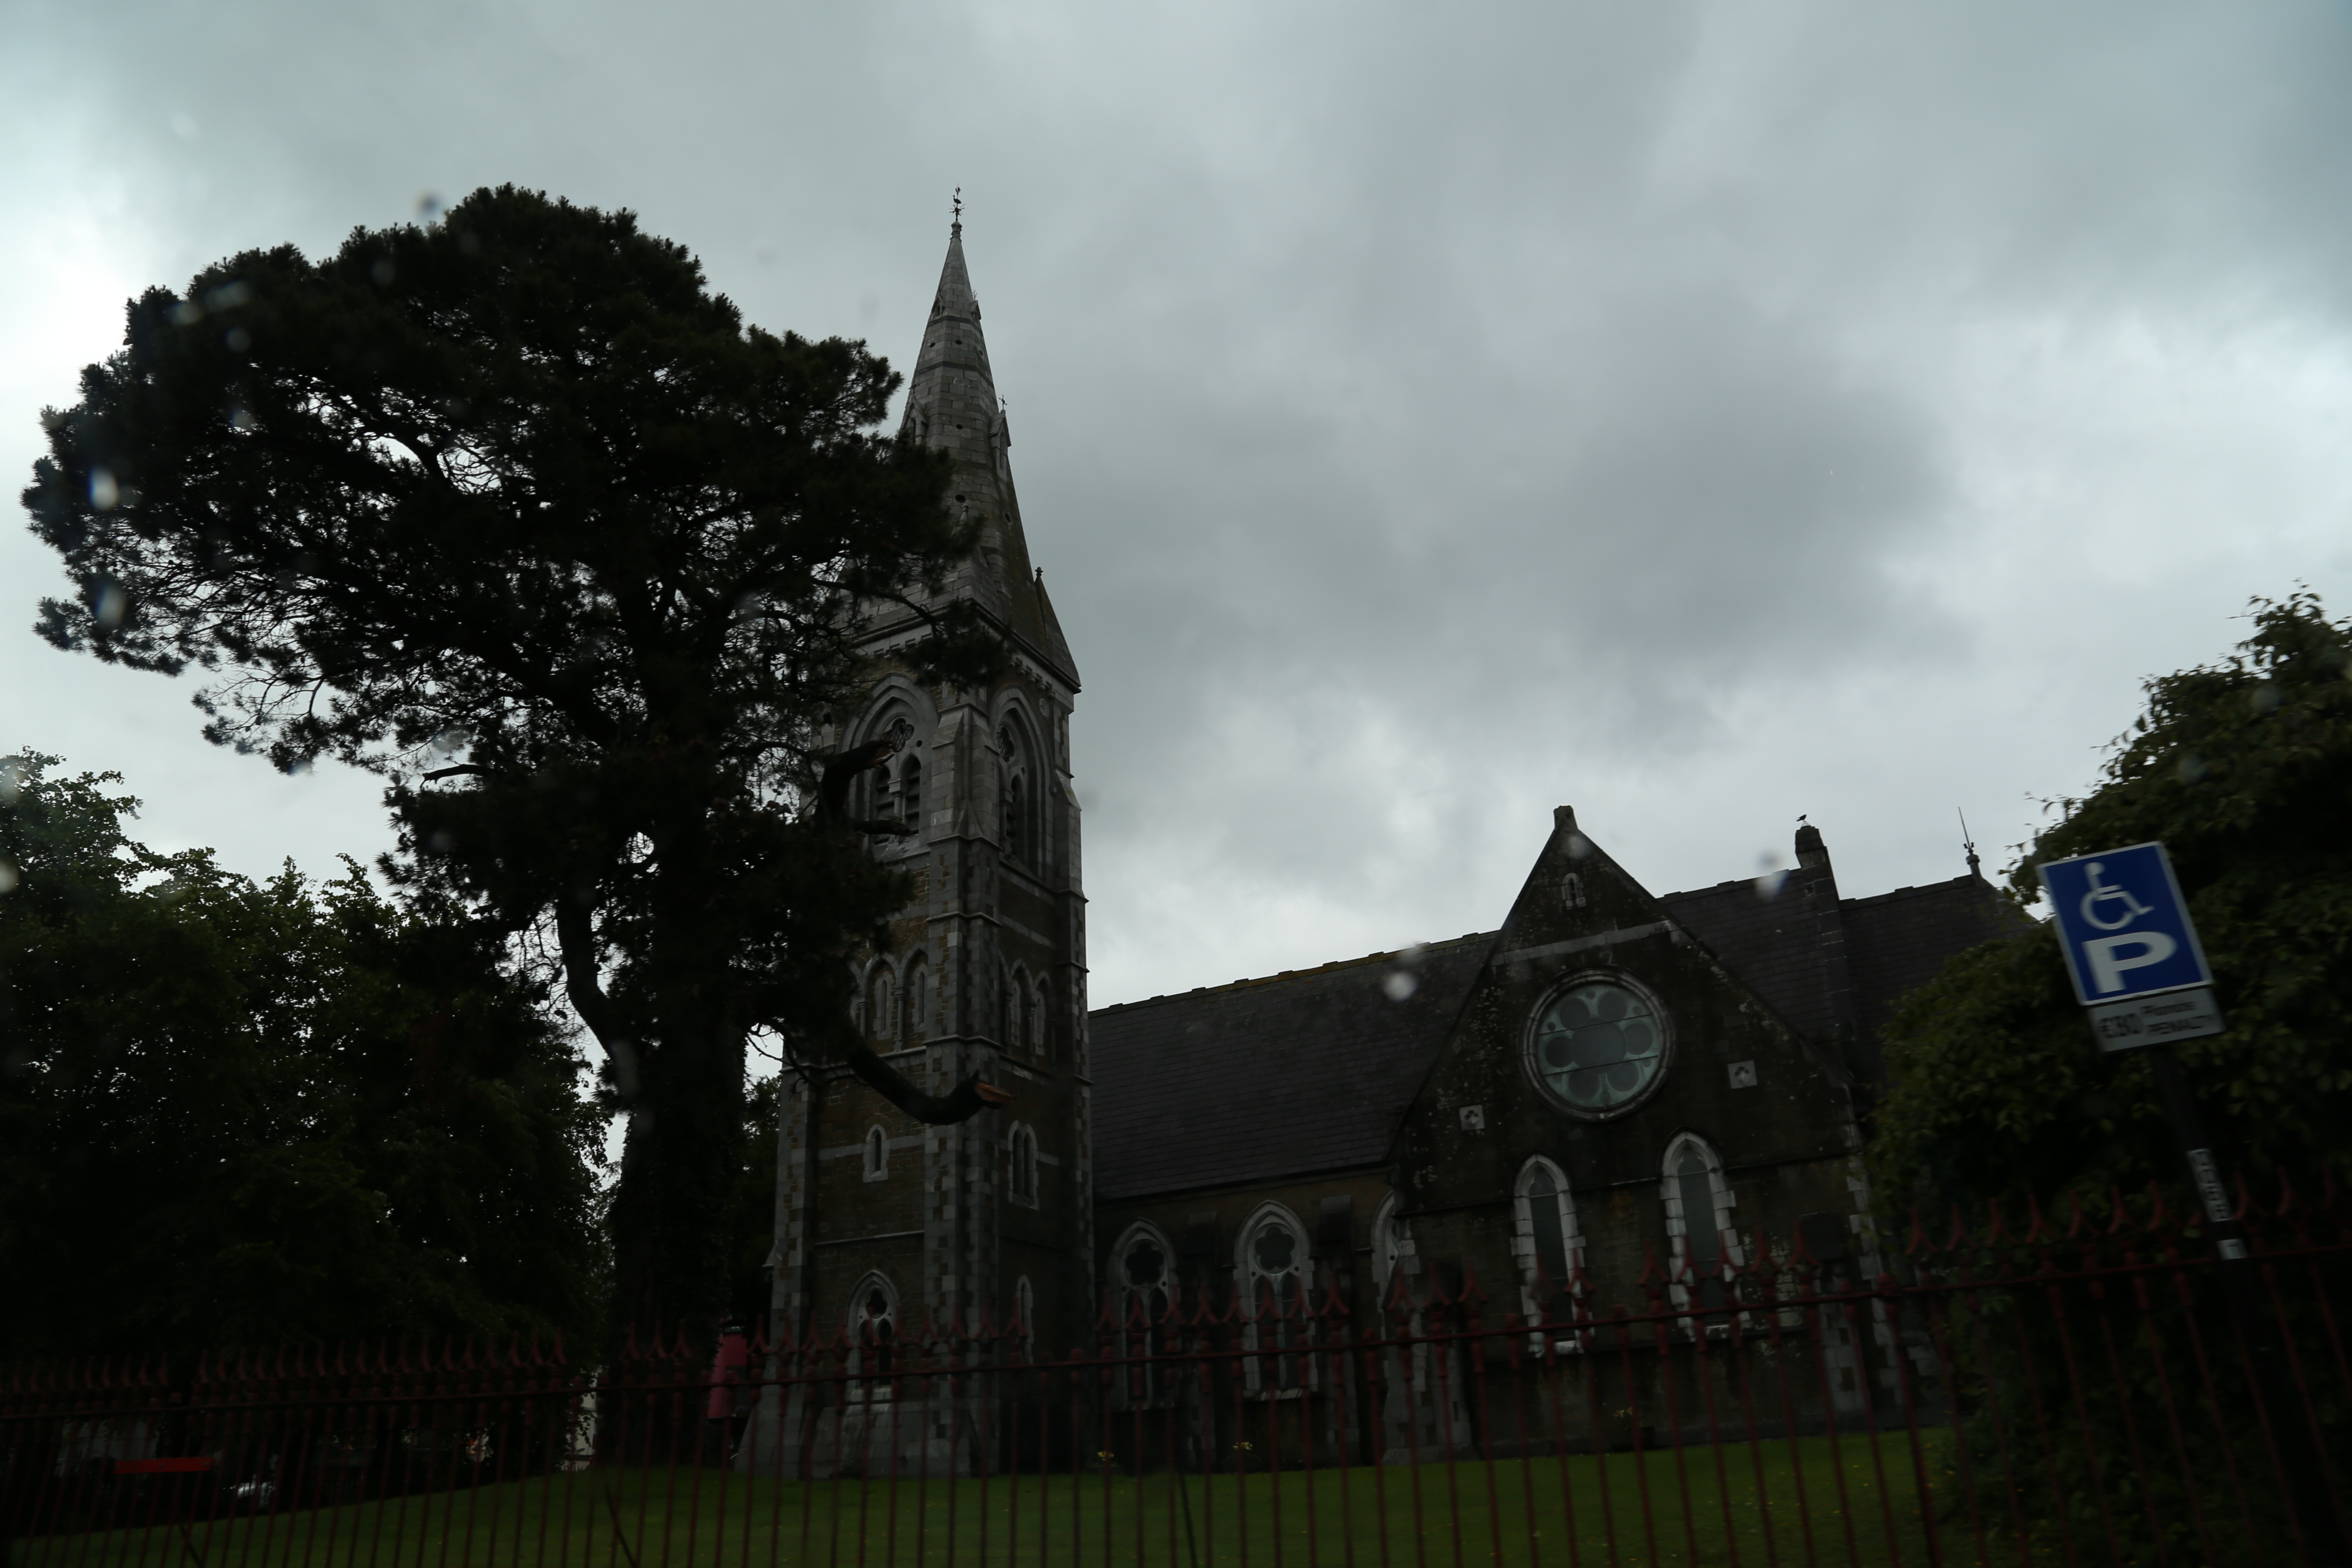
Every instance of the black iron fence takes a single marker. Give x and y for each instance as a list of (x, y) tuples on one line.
[(2023, 1388)]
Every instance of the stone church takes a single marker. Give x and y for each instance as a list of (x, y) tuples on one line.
[(1611, 1078)]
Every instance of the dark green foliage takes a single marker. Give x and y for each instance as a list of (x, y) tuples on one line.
[(2107, 1384), (2243, 770), (517, 488), (241, 1112)]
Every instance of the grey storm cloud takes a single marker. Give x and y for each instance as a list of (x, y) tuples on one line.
[(1700, 411)]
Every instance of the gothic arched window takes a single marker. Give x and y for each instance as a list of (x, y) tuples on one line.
[(1020, 1182), (1145, 1282), (1024, 1316), (1699, 1203), (1391, 1247), (918, 1000), (881, 1011), (877, 1153), (1274, 1266), (873, 1335), (1019, 837), (1544, 1218), (1016, 996), (910, 792), (1040, 1017)]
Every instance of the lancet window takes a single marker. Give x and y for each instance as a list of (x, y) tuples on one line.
[(909, 803), (1548, 1242), (881, 1006), (1018, 823), (1699, 1203), (873, 1336), (1144, 1277), (918, 1000), (1020, 1183), (1274, 1266)]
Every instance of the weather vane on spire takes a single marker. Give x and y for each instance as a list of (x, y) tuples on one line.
[(956, 229)]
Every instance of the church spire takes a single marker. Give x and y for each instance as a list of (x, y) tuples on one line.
[(953, 406)]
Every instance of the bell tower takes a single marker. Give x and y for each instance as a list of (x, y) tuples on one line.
[(884, 1223)]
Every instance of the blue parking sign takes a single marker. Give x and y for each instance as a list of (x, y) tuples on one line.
[(2124, 924)]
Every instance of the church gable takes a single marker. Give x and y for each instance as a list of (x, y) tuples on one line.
[(1599, 1039)]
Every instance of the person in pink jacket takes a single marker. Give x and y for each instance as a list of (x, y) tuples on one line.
[(729, 1369)]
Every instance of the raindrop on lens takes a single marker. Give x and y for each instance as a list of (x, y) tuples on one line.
[(2191, 768), (187, 313), (238, 339), (111, 606), (104, 493), (12, 779), (8, 878), (239, 419), (382, 273), (1401, 985)]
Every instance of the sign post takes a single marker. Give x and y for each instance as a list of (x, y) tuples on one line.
[(2143, 981)]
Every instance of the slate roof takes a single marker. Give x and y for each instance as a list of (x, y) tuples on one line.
[(1773, 944), (1306, 1070), (1896, 942), (1311, 1069)]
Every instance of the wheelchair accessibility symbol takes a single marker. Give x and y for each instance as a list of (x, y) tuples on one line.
[(2123, 923), (2103, 900)]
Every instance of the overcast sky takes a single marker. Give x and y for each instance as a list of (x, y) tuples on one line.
[(1701, 415)]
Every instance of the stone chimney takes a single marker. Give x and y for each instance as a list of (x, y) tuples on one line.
[(1817, 879)]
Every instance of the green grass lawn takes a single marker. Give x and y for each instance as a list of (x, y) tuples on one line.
[(1435, 1516)]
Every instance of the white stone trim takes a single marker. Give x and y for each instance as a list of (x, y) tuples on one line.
[(1734, 1255), (1524, 1249)]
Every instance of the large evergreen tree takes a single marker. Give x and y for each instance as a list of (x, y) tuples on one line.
[(516, 488), (235, 1112)]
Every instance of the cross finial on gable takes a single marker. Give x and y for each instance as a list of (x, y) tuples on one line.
[(955, 230)]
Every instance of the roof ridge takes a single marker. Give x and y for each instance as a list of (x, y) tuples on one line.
[(1964, 879), (1711, 887), (1325, 968)]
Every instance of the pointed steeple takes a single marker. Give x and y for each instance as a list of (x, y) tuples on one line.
[(951, 404)]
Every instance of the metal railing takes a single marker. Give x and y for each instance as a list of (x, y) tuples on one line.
[(2019, 1388)]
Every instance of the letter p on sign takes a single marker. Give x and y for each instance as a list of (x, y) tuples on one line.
[(2108, 960)]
